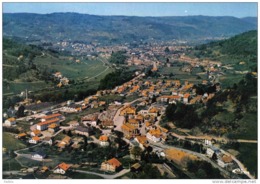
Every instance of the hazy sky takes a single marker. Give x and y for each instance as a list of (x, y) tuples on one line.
[(138, 9)]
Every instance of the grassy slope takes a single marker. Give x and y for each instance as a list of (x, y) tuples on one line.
[(11, 143)]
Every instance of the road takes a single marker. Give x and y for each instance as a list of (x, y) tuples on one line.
[(106, 176), (242, 167), (201, 156), (119, 120)]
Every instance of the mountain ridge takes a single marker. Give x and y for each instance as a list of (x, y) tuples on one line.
[(121, 29)]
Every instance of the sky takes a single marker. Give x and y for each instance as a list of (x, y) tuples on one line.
[(138, 9)]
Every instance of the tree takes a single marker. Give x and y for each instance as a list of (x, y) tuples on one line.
[(167, 50), (136, 151), (20, 112)]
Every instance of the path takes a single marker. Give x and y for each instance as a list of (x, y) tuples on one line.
[(106, 176), (100, 72)]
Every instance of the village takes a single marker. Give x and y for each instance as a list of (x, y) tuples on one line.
[(129, 127)]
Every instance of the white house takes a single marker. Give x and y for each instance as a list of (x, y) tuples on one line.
[(211, 150), (103, 140), (154, 135), (48, 140), (34, 140), (39, 156), (61, 168), (10, 122)]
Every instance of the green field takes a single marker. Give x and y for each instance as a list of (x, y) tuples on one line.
[(248, 156), (11, 143), (183, 76), (71, 69)]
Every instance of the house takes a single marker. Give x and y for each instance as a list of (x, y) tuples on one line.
[(154, 135), (142, 141), (51, 117), (34, 140), (186, 97), (103, 140), (62, 168), (36, 133), (53, 128), (169, 99), (44, 125), (21, 136), (39, 155), (112, 165), (128, 110), (64, 142), (48, 140), (134, 122), (129, 130), (211, 150), (10, 122), (153, 111), (225, 161), (87, 131), (73, 124), (136, 167), (44, 169), (107, 123)]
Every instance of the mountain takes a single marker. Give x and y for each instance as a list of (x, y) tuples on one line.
[(242, 47), (120, 29)]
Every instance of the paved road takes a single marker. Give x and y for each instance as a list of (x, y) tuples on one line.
[(201, 156), (242, 167), (106, 176), (118, 120)]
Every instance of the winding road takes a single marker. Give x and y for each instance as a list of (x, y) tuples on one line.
[(106, 176)]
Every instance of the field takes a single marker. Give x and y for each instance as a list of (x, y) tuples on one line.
[(86, 73), (11, 143), (72, 70), (183, 76), (179, 157), (248, 156)]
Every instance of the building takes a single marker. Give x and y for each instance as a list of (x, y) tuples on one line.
[(66, 141), (128, 110), (34, 140), (103, 140), (87, 131), (107, 124), (134, 122), (211, 150), (44, 125), (154, 135), (47, 140), (53, 128), (73, 124), (153, 111), (51, 117), (36, 133), (112, 165), (90, 119), (62, 168), (10, 122), (129, 130), (21, 136), (225, 161), (39, 156), (186, 98), (142, 141)]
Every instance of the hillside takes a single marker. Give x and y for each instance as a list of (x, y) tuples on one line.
[(120, 29), (239, 51)]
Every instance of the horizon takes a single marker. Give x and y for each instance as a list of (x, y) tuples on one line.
[(137, 9), (129, 15)]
